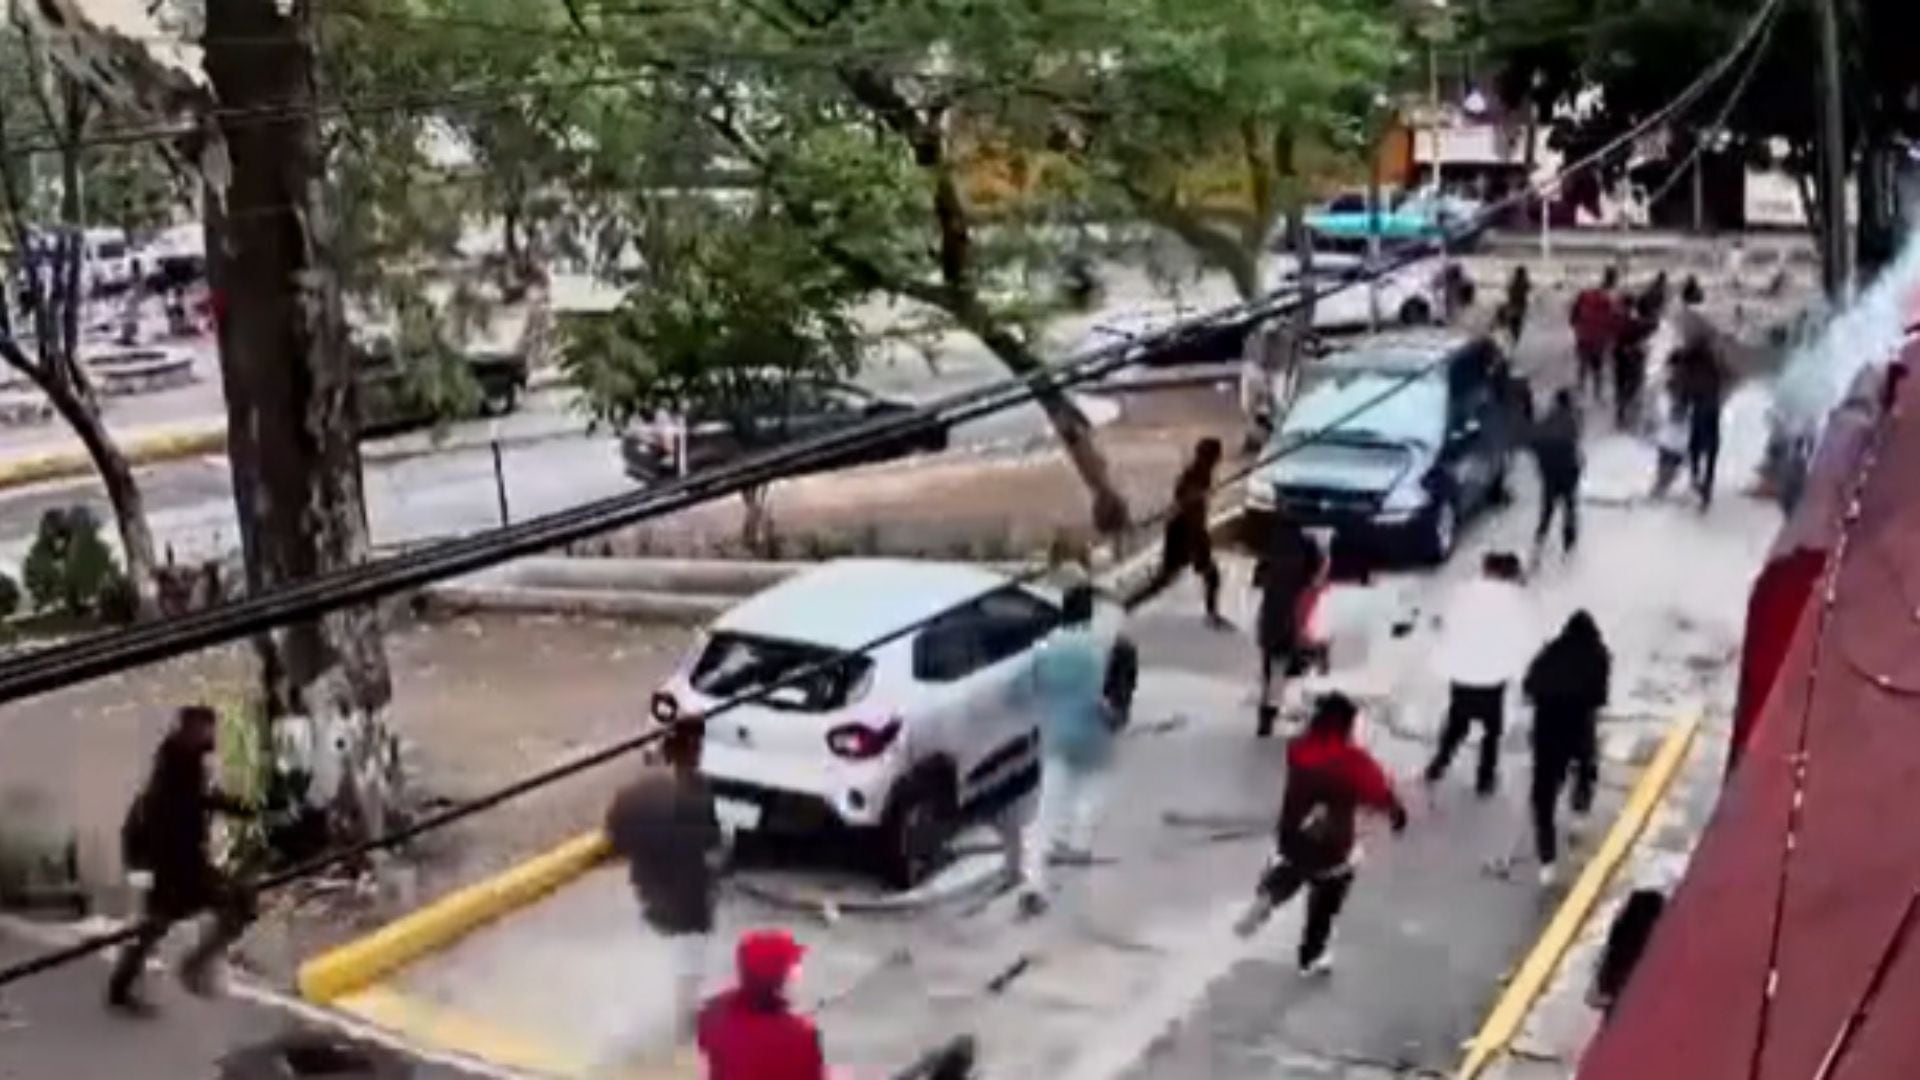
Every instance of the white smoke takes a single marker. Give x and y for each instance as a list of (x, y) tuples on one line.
[(1866, 334)]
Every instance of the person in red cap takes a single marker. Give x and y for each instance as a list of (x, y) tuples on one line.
[(751, 1031)]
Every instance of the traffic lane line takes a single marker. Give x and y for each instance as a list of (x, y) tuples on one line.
[(1511, 1010)]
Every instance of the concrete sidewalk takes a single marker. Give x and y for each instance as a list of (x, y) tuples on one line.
[(53, 1026)]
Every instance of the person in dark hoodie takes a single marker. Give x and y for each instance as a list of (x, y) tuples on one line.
[(1187, 543), (1556, 449), (751, 1032), (1330, 779), (165, 835), (665, 826), (1289, 566), (1568, 685)]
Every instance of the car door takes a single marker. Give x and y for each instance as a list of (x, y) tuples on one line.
[(1472, 428), (969, 664)]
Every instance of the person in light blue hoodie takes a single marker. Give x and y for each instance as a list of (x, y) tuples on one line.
[(1067, 687)]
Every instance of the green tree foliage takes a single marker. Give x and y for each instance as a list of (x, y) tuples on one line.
[(1244, 85), (737, 315), (70, 569), (1624, 59)]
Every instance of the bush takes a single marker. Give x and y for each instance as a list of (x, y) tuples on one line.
[(9, 597), (70, 568)]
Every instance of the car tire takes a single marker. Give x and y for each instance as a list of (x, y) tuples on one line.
[(1416, 312), (915, 829), (1440, 531), (499, 401)]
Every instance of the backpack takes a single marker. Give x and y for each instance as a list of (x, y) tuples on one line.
[(1123, 675)]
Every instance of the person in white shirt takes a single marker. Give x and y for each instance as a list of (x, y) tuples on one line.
[(1489, 638)]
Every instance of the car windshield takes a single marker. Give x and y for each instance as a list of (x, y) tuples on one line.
[(735, 664), (1368, 405)]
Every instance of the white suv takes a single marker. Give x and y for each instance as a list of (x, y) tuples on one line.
[(902, 744)]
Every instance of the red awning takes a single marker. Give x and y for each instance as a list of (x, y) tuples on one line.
[(1820, 920)]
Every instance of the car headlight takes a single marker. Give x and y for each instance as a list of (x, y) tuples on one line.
[(1262, 494), (1407, 498)]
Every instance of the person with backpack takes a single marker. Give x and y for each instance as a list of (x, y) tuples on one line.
[(1067, 682), (1330, 779), (165, 837), (1568, 686)]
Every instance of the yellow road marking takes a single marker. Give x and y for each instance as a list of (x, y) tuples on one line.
[(1517, 1000)]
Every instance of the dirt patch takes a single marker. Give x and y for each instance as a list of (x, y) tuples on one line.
[(480, 701), (990, 506)]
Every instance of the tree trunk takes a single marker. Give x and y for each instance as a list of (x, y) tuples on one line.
[(82, 415), (1110, 513), (756, 526), (292, 420)]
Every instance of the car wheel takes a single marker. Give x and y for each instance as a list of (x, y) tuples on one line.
[(1441, 533), (914, 832), (1416, 312), (500, 401)]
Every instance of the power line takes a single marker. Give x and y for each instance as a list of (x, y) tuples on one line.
[(63, 665), (1023, 388)]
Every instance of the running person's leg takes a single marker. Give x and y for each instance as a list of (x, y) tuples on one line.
[(1325, 897), (1458, 724), (1489, 704)]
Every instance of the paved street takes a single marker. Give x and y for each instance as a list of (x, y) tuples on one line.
[(1134, 974)]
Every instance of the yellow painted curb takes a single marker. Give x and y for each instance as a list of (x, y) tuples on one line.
[(150, 450), (1517, 1000), (359, 964)]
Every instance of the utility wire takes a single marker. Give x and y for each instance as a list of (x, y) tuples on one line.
[(63, 665), (1022, 388), (1719, 124)]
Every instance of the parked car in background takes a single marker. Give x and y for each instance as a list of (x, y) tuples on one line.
[(1398, 442), (107, 265), (1345, 223), (666, 447), (900, 745), (1217, 342), (1409, 296), (391, 400)]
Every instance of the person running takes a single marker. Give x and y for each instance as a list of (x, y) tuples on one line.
[(1187, 542), (751, 1031), (1596, 325), (1630, 351), (1289, 567), (666, 828), (1556, 449), (1670, 436), (1330, 778), (1489, 636), (1568, 686), (1519, 298), (1702, 380), (165, 836), (1067, 679)]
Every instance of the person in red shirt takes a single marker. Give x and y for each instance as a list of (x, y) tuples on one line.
[(1330, 778), (751, 1032), (1596, 321)]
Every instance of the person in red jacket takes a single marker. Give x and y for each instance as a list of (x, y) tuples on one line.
[(751, 1032), (1330, 779)]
